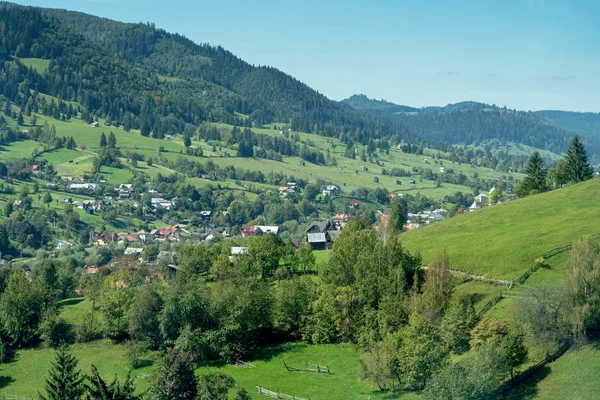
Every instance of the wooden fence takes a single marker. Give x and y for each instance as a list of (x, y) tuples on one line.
[(15, 397), (242, 364), (523, 376), (489, 305), (278, 395), (321, 369)]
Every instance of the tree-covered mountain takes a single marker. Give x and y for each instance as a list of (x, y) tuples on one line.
[(161, 83), (586, 123), (362, 103), (472, 123), (149, 79)]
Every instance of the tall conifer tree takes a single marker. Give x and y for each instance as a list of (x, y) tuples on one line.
[(578, 167)]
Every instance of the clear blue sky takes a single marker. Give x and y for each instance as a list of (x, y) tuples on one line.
[(527, 54)]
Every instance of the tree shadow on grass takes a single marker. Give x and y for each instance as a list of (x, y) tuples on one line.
[(5, 381), (529, 388), (267, 353), (69, 302)]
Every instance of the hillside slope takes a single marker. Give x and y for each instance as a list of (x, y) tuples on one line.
[(504, 240)]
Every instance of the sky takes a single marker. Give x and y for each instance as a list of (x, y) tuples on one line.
[(526, 54)]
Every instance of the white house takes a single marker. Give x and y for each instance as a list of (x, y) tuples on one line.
[(474, 206), (88, 186), (268, 229), (331, 190), (482, 198), (63, 244)]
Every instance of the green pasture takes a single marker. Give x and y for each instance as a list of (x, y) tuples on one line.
[(503, 241)]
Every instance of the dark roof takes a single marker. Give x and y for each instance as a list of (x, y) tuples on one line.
[(321, 226)]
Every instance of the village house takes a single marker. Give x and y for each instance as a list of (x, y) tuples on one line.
[(267, 229), (212, 236), (319, 234), (249, 231), (474, 206), (481, 198), (85, 186), (353, 204), (285, 191), (104, 238), (331, 190), (171, 234), (34, 168), (235, 251), (63, 244)]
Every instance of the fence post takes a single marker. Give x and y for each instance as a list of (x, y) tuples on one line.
[(318, 368)]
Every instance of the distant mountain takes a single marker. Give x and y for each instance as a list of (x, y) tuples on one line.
[(586, 123), (473, 123), (362, 103)]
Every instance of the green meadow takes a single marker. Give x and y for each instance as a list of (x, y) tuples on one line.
[(504, 240)]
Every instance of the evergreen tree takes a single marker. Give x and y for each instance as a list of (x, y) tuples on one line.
[(398, 217), (187, 141), (578, 167), (98, 389), (103, 140), (535, 181), (112, 140), (65, 381)]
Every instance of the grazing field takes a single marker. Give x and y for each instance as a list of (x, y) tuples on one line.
[(25, 375), (270, 373), (349, 174), (39, 64), (504, 240)]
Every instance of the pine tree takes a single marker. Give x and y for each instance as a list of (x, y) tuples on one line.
[(578, 167), (103, 140), (99, 389), (187, 141), (112, 140), (398, 217), (20, 120), (65, 381), (535, 181)]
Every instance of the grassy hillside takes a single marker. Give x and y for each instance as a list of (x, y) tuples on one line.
[(503, 241), (572, 376)]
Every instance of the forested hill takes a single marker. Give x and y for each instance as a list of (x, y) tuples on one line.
[(472, 123), (362, 103), (146, 78), (264, 93), (586, 123)]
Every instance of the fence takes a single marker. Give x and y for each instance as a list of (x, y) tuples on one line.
[(15, 397), (489, 305), (242, 364), (520, 280), (277, 395), (523, 376), (321, 369)]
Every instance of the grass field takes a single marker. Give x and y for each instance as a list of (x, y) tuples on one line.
[(573, 376), (504, 240), (344, 173), (25, 376), (40, 65), (270, 373)]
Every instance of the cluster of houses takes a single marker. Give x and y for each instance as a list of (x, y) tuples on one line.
[(173, 234), (417, 220), (288, 189)]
